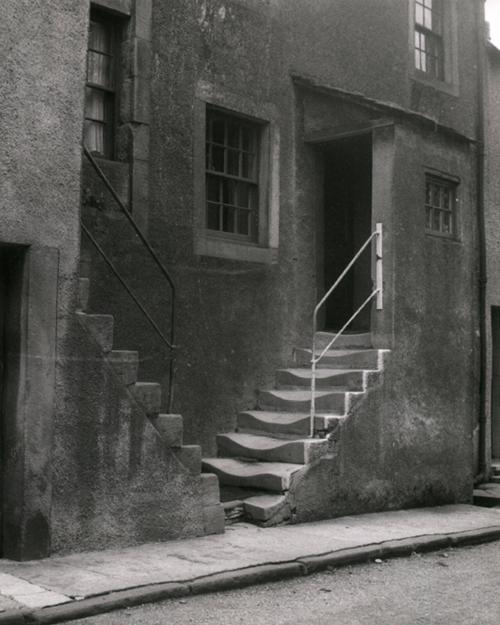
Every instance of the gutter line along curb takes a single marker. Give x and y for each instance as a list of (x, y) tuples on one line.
[(229, 580)]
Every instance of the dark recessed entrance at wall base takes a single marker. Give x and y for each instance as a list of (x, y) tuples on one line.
[(495, 382), (11, 275), (347, 225)]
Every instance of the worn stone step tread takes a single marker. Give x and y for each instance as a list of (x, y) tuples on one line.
[(263, 507), (302, 395), (273, 476), (304, 372), (257, 441), (289, 424), (358, 339)]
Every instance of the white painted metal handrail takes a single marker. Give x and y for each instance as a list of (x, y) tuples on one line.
[(377, 292)]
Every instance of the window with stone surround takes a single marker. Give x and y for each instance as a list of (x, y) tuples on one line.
[(100, 89), (440, 206), (232, 175), (429, 47)]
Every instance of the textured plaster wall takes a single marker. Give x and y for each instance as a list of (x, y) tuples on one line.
[(115, 482), (492, 217)]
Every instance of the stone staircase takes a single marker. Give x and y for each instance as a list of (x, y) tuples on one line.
[(488, 493), (259, 463), (148, 396)]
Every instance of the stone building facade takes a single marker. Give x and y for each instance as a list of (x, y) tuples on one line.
[(256, 144)]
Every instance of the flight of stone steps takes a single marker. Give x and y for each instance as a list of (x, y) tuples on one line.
[(258, 463), (488, 493), (148, 395)]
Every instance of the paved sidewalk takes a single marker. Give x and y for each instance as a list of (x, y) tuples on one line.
[(73, 586)]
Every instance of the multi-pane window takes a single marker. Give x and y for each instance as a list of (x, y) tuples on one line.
[(100, 86), (429, 37), (440, 206), (232, 174)]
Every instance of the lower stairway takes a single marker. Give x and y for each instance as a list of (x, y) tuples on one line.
[(488, 493), (259, 463)]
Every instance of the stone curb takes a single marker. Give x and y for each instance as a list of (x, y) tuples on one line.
[(245, 577)]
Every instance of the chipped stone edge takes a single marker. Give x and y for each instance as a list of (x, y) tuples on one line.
[(258, 574)]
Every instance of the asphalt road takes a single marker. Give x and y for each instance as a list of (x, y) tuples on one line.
[(454, 587)]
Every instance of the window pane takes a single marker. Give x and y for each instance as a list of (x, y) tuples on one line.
[(216, 158), (229, 192), (419, 14), (436, 196), (247, 139), (100, 36), (94, 137), (247, 166), (213, 189), (428, 218), (213, 216), (243, 222), (95, 104), (218, 131), (233, 135), (100, 69), (228, 219), (243, 195), (446, 223), (233, 162), (436, 225)]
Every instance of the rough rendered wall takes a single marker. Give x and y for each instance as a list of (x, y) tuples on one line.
[(492, 219)]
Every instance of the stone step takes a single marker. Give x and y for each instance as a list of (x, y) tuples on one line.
[(126, 364), (342, 379), (170, 428), (269, 449), (344, 340), (266, 508), (148, 395), (269, 476), (300, 401), (100, 327), (487, 495), (284, 424), (495, 467), (342, 358), (83, 293), (495, 479)]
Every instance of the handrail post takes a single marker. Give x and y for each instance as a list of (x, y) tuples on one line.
[(379, 269), (378, 292)]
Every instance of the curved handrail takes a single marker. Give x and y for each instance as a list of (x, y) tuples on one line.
[(171, 341), (378, 292)]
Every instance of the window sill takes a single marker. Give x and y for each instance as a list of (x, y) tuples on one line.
[(219, 247), (422, 78)]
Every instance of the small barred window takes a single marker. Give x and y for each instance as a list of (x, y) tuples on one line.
[(440, 206)]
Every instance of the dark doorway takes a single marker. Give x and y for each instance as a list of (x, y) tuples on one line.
[(11, 276), (495, 382), (347, 225)]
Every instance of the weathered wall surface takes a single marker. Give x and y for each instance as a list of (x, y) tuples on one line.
[(492, 228), (115, 481)]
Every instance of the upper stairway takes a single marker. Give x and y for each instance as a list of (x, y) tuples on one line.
[(259, 463)]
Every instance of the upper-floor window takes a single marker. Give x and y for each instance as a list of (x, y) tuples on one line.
[(429, 48), (232, 175), (100, 94), (440, 206)]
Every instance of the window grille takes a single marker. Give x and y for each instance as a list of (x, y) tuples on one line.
[(440, 206), (232, 175), (100, 86), (429, 38)]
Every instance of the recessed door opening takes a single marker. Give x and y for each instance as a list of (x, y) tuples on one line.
[(347, 225), (495, 383), (11, 277)]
